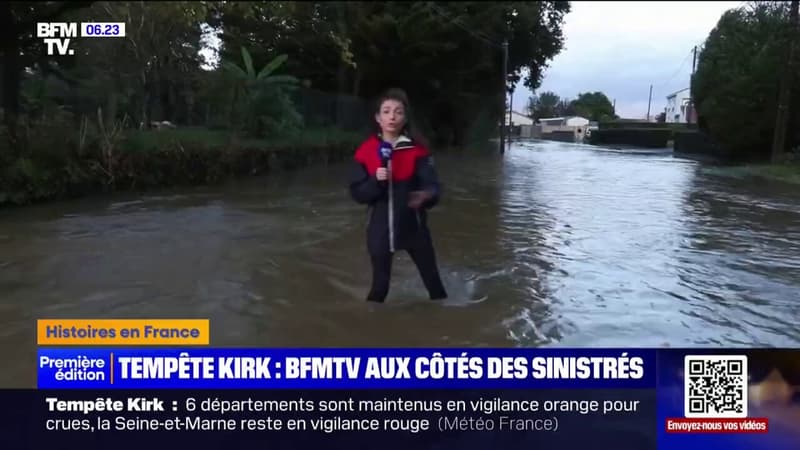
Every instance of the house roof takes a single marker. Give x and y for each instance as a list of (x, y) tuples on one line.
[(561, 118), (677, 92)]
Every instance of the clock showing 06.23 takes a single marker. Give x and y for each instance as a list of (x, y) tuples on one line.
[(102, 29)]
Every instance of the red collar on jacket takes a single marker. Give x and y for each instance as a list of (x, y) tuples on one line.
[(404, 157)]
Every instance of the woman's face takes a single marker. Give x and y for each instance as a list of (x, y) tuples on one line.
[(391, 117)]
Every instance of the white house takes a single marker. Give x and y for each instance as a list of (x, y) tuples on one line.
[(572, 121), (518, 119), (677, 110), (564, 126)]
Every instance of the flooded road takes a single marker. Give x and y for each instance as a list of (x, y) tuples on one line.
[(551, 244)]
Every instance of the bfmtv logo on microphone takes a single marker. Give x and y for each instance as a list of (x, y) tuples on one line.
[(386, 150)]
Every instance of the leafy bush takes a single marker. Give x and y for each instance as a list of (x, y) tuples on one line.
[(640, 137), (738, 74), (261, 103), (61, 160), (696, 142)]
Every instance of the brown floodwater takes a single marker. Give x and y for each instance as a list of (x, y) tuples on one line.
[(550, 244)]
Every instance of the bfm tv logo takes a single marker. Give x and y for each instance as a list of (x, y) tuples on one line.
[(57, 36)]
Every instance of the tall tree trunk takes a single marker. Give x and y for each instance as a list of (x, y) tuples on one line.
[(11, 72), (341, 92), (145, 107), (12, 41), (356, 83), (112, 105), (342, 74), (189, 102), (9, 47), (170, 106), (145, 98), (11, 88), (785, 95)]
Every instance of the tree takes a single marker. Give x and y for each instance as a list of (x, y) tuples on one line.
[(20, 49), (661, 117), (787, 79), (530, 107), (447, 56), (735, 88), (150, 74), (565, 108), (544, 105), (594, 106), (259, 99), (152, 71)]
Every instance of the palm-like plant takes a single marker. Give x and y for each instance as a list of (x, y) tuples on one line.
[(265, 101), (250, 79)]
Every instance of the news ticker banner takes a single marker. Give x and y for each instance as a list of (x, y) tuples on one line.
[(448, 419), (672, 398)]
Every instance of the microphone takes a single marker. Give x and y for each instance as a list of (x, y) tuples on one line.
[(386, 155)]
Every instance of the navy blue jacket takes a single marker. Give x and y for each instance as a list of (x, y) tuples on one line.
[(392, 224)]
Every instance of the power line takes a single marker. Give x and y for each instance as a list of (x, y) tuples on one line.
[(685, 60)]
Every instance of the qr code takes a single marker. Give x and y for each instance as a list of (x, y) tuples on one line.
[(715, 386)]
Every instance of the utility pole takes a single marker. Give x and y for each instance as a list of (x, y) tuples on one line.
[(504, 91), (785, 95), (691, 80), (510, 115), (649, 100)]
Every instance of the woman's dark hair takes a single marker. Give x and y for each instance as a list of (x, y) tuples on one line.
[(409, 129)]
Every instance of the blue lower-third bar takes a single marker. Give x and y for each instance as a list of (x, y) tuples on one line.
[(226, 368)]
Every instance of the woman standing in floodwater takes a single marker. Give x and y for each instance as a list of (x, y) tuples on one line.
[(393, 173)]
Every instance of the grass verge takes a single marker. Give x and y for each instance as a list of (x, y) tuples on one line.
[(787, 173), (59, 164)]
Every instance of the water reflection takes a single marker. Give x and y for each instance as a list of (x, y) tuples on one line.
[(552, 244), (740, 267)]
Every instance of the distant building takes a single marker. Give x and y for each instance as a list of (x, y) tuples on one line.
[(570, 128), (520, 126), (518, 119), (572, 121), (677, 110)]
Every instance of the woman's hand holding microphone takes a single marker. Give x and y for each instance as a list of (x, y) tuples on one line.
[(383, 174)]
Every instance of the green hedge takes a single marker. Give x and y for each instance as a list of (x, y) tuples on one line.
[(560, 136), (638, 137), (697, 143), (645, 125), (156, 159)]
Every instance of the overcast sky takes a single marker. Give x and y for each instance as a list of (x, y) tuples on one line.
[(621, 48)]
